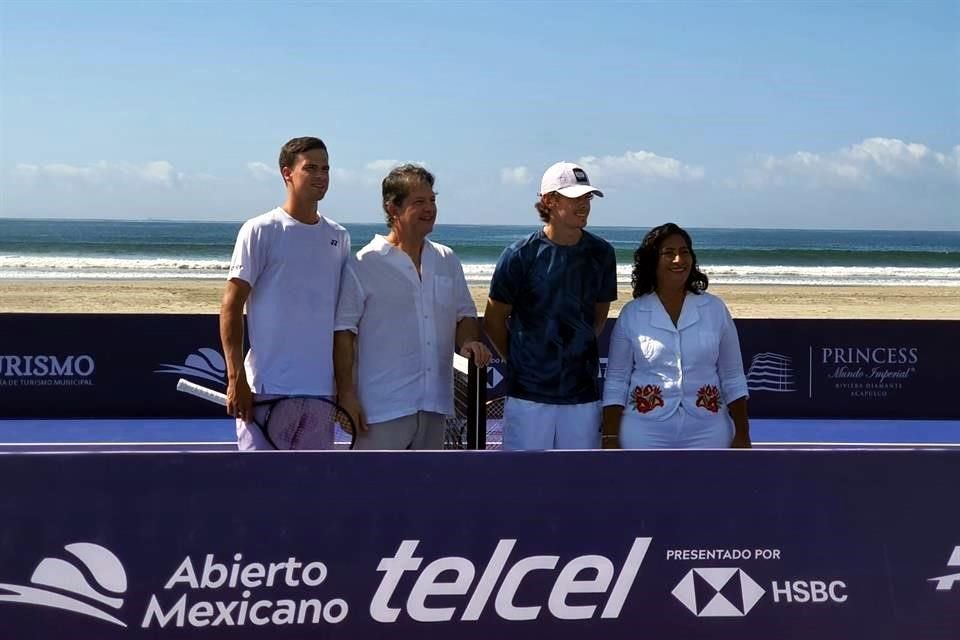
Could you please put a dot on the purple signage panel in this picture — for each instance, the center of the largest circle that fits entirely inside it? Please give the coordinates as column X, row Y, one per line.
column 474, row 545
column 77, row 366
column 107, row 366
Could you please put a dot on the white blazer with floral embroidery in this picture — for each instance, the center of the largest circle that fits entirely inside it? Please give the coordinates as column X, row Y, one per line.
column 655, row 367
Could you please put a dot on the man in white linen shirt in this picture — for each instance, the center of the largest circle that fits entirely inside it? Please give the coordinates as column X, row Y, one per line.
column 404, row 307
column 286, row 269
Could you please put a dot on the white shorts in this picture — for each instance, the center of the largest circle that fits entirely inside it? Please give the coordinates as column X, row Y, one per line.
column 251, row 438
column 535, row 425
column 249, row 435
column 679, row 431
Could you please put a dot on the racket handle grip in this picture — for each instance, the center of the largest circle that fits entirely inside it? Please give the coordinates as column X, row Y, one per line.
column 195, row 389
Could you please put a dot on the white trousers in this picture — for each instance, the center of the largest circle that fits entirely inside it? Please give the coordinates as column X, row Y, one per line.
column 533, row 425
column 680, row 431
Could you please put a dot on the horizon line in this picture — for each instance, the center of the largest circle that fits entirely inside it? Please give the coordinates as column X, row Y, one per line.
column 481, row 225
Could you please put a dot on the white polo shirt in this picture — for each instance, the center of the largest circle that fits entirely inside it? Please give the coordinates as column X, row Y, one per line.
column 406, row 326
column 294, row 272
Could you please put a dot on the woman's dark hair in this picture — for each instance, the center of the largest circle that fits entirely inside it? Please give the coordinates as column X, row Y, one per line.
column 647, row 257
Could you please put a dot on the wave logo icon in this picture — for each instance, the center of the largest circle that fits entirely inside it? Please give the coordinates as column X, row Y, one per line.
column 66, row 583
column 204, row 363
column 771, row 372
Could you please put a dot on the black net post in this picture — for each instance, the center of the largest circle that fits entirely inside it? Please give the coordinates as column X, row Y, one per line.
column 476, row 406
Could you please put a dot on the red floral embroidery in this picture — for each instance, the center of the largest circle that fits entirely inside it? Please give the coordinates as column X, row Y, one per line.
column 708, row 397
column 647, row 398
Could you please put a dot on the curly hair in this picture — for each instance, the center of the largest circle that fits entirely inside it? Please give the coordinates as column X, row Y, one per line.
column 543, row 210
column 647, row 257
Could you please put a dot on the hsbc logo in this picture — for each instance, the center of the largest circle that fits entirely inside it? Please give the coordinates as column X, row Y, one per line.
column 717, row 592
column 60, row 583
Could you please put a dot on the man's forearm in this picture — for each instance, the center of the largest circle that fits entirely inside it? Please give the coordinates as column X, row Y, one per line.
column 231, row 337
column 497, row 333
column 343, row 359
column 468, row 330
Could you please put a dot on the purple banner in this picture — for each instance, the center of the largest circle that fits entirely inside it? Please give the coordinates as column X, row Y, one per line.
column 78, row 366
column 704, row 544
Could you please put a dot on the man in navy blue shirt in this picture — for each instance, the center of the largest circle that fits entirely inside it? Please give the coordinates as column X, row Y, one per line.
column 548, row 303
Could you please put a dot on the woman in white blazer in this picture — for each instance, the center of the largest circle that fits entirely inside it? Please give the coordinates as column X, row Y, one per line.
column 675, row 374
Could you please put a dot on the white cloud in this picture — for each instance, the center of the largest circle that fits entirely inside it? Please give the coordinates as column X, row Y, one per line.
column 343, row 175
column 856, row 165
column 383, row 166
column 157, row 172
column 263, row 171
column 515, row 175
column 372, row 173
column 644, row 165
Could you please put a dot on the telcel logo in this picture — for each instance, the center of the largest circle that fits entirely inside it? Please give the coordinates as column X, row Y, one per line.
column 566, row 583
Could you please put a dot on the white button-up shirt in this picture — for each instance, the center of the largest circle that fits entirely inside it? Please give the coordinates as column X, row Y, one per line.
column 406, row 327
column 655, row 367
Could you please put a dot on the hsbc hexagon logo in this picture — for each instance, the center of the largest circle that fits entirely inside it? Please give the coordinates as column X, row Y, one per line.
column 718, row 592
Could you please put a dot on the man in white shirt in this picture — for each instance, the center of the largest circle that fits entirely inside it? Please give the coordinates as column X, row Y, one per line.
column 404, row 308
column 286, row 269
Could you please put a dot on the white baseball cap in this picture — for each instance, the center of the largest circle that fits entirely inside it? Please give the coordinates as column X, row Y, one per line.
column 568, row 180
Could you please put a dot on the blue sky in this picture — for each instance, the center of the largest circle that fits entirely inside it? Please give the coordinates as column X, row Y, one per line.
column 774, row 114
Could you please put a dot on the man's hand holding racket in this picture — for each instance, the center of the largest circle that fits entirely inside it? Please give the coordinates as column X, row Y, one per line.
column 476, row 349
column 240, row 399
column 351, row 404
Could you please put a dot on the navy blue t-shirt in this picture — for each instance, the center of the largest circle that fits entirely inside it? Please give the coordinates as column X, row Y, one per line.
column 553, row 288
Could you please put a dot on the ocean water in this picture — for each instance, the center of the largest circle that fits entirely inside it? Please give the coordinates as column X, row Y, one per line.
column 110, row 249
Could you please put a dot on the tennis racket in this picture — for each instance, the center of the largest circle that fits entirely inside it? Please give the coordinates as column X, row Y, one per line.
column 289, row 422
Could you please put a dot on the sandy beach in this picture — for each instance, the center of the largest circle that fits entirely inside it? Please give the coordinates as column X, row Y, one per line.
column 745, row 301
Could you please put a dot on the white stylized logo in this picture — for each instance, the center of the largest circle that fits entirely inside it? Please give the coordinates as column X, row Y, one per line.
column 478, row 585
column 64, row 578
column 205, row 363
column 945, row 583
column 771, row 372
column 727, row 592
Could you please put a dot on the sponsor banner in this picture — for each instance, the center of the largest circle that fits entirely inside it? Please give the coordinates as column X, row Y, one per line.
column 837, row 368
column 428, row 545
column 76, row 366
column 851, row 368
column 107, row 366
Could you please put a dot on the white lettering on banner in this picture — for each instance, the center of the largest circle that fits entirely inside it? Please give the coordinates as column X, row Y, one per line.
column 43, row 366
column 213, row 575
column 723, row 554
column 566, row 583
column 238, row 613
column 730, row 592
column 868, row 372
column 870, row 355
column 803, row 591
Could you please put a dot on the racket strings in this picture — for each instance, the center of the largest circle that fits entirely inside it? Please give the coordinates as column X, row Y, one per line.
column 303, row 423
